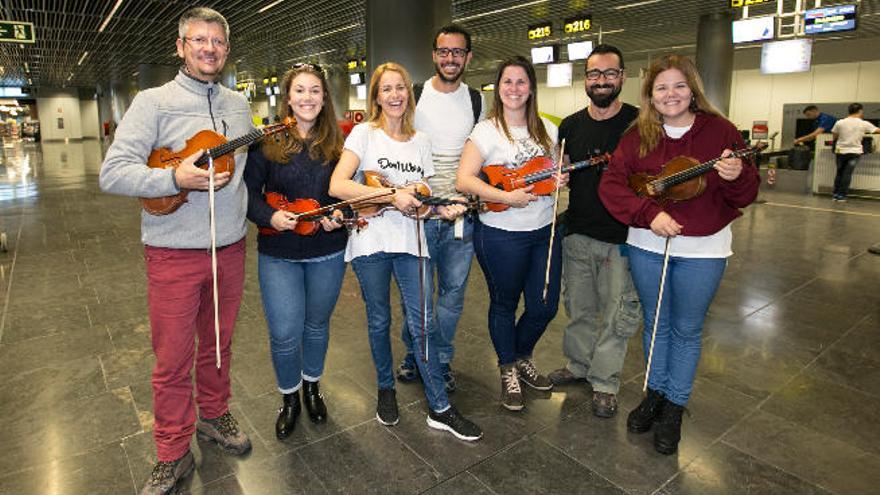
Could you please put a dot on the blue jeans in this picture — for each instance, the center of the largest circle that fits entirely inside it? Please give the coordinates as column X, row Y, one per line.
column 298, row 299
column 514, row 265
column 691, row 284
column 451, row 259
column 374, row 274
column 846, row 164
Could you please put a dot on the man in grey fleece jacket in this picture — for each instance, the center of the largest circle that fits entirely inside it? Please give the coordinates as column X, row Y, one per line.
column 177, row 254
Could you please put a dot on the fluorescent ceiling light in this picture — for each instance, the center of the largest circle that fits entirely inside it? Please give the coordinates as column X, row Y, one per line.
column 109, row 16
column 636, row 4
column 84, row 55
column 328, row 33
column 267, row 7
column 26, row 68
column 498, row 11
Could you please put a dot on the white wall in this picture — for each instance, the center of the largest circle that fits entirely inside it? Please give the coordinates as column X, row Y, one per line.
column 55, row 104
column 755, row 96
column 91, row 126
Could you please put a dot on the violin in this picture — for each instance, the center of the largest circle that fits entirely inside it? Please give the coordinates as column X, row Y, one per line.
column 309, row 214
column 375, row 179
column 681, row 178
column 538, row 172
column 216, row 146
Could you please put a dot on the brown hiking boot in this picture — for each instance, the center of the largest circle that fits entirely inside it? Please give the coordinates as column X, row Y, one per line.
column 166, row 475
column 564, row 376
column 225, row 431
column 511, row 393
column 604, row 405
column 530, row 376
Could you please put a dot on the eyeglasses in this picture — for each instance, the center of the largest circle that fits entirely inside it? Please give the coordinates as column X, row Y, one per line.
column 201, row 42
column 610, row 74
column 455, row 52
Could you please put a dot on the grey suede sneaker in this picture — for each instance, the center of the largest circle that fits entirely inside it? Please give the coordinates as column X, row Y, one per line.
column 530, row 376
column 225, row 431
column 511, row 392
column 166, row 475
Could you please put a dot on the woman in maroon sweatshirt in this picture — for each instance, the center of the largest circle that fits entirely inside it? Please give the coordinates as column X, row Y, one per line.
column 676, row 119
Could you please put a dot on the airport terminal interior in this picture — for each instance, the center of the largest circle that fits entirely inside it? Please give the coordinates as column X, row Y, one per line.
column 786, row 398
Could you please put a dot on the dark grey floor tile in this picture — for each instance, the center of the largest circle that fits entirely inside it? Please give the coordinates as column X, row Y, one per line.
column 847, row 370
column 284, row 474
column 40, row 319
column 53, row 349
column 842, row 413
column 102, row 471
column 820, row 459
column 724, row 469
column 863, row 340
column 462, row 483
column 526, row 468
column 368, row 459
column 51, row 386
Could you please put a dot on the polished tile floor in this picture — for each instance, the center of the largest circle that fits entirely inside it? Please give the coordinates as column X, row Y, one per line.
column 787, row 397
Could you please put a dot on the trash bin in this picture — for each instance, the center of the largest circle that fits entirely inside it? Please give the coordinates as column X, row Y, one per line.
column 799, row 157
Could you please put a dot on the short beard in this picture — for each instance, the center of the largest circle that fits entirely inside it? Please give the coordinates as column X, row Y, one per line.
column 604, row 101
column 446, row 79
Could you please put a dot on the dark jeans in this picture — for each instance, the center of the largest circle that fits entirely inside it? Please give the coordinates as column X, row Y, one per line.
column 514, row 265
column 846, row 163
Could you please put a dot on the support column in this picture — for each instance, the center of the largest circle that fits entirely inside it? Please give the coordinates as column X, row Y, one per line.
column 401, row 31
column 153, row 75
column 340, row 87
column 715, row 58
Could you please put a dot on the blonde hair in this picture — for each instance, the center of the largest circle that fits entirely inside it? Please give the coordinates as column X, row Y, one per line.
column 535, row 125
column 325, row 136
column 375, row 116
column 649, row 121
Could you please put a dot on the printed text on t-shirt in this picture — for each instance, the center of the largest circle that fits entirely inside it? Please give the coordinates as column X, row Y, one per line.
column 385, row 163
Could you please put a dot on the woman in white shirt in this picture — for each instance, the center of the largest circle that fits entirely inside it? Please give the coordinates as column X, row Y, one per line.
column 512, row 245
column 391, row 244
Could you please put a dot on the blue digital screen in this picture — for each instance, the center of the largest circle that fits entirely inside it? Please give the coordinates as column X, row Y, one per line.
column 830, row 19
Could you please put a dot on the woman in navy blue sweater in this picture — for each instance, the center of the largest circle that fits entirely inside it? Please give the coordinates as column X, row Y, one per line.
column 300, row 276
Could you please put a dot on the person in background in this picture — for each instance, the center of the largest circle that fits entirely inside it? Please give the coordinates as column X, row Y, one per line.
column 848, row 133
column 446, row 112
column 675, row 119
column 599, row 297
column 822, row 123
column 300, row 275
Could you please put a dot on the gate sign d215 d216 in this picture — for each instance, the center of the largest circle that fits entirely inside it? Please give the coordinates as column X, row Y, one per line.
column 17, row 32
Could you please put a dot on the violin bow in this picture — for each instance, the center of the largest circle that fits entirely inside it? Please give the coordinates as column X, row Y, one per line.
column 423, row 299
column 657, row 311
column 211, row 209
column 553, row 224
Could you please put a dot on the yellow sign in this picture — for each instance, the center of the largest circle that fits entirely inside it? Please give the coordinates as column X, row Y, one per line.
column 539, row 31
column 745, row 3
column 578, row 24
column 352, row 64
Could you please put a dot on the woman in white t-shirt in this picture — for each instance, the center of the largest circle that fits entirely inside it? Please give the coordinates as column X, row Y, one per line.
column 393, row 243
column 512, row 245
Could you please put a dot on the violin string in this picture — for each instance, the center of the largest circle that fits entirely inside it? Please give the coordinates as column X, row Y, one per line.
column 690, row 173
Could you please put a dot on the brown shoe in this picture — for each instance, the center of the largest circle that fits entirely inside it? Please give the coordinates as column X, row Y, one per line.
column 166, row 475
column 225, row 431
column 511, row 393
column 530, row 376
column 564, row 376
column 604, row 405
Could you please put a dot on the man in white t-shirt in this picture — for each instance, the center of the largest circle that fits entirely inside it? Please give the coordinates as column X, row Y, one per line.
column 447, row 111
column 849, row 133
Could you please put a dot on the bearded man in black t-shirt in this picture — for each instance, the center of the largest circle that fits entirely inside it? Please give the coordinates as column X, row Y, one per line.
column 600, row 300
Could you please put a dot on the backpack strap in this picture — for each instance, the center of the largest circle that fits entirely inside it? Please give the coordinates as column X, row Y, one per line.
column 476, row 103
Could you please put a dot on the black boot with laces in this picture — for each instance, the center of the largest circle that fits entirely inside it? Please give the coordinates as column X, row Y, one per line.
column 668, row 431
column 642, row 418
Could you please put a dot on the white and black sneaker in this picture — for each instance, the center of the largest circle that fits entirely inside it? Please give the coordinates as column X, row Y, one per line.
column 386, row 407
column 450, row 420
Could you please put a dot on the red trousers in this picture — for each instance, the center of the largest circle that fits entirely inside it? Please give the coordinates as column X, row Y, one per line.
column 181, row 304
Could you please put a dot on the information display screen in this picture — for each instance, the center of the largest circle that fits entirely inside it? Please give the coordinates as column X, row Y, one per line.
column 780, row 57
column 754, row 29
column 580, row 50
column 559, row 75
column 830, row 19
column 544, row 54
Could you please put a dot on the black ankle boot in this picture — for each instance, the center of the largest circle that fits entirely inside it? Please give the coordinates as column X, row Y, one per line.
column 287, row 415
column 668, row 431
column 642, row 418
column 314, row 402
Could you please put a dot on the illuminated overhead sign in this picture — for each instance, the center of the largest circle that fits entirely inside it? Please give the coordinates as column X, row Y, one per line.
column 830, row 19
column 576, row 25
column 745, row 3
column 540, row 31
column 17, row 32
column 352, row 64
